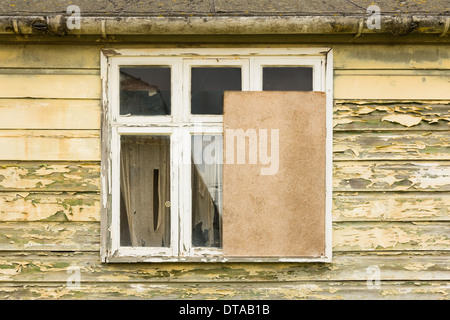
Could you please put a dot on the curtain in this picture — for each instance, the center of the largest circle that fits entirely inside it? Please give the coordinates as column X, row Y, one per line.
column 145, row 189
column 207, row 193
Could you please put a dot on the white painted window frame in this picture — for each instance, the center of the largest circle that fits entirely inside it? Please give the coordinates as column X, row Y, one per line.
column 180, row 126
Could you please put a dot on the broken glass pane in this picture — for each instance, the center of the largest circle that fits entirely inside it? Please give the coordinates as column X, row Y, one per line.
column 145, row 91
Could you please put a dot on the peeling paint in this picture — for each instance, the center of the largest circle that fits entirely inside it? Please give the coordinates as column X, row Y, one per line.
column 404, row 120
column 385, row 116
column 390, row 207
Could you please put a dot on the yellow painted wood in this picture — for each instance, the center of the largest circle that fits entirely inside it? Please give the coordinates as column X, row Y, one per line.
column 14, row 55
column 391, row 116
column 391, row 184
column 49, row 114
column 391, row 85
column 391, row 176
column 391, row 206
column 391, row 56
column 402, row 176
column 347, row 206
column 423, row 145
column 52, row 266
column 50, row 236
column 61, row 86
column 49, row 177
column 345, row 56
column 75, row 145
column 398, row 236
column 347, row 236
column 392, row 290
column 25, row 206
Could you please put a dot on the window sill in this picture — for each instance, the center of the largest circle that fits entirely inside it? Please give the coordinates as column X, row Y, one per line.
column 116, row 258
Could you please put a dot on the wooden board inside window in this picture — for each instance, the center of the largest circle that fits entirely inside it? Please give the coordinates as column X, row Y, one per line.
column 275, row 213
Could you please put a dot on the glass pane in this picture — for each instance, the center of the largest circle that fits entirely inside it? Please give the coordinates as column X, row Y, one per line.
column 208, row 85
column 145, row 191
column 287, row 79
column 207, row 160
column 145, row 91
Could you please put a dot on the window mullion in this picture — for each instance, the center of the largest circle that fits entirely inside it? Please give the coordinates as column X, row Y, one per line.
column 184, row 168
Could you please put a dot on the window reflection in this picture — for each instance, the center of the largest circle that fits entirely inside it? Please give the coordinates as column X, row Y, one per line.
column 287, row 79
column 145, row 91
column 208, row 85
column 207, row 154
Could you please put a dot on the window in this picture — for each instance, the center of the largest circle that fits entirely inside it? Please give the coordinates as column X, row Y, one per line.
column 163, row 145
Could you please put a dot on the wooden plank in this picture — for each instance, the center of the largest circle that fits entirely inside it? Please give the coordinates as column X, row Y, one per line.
column 62, row 86
column 391, row 57
column 391, row 116
column 48, row 145
column 385, row 236
column 50, row 56
column 106, row 172
column 385, row 145
column 371, row 84
column 391, row 206
column 49, row 206
column 391, row 176
column 49, row 71
column 60, row 176
column 348, row 176
column 354, row 290
column 46, row 267
column 347, row 236
column 49, row 114
column 53, row 236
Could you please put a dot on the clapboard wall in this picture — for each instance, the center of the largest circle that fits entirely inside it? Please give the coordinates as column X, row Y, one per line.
column 391, row 183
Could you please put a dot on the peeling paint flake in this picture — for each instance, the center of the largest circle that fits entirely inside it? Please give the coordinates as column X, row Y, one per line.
column 403, row 119
column 47, row 170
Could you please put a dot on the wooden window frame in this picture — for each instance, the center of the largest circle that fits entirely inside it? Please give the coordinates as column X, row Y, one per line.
column 180, row 125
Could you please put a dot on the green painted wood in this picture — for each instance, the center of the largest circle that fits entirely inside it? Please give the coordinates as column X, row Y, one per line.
column 427, row 145
column 56, row 267
column 61, row 206
column 49, row 177
column 391, row 116
column 347, row 236
column 391, row 206
column 335, row 290
column 429, row 176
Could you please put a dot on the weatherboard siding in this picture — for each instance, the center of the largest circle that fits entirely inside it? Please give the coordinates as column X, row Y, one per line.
column 391, row 180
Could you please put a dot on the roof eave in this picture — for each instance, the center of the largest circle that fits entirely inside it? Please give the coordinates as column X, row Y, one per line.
column 59, row 25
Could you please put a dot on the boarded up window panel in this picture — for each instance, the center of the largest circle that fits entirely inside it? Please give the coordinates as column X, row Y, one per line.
column 280, row 215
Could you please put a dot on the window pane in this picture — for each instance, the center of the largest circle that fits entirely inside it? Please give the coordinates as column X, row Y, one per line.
column 145, row 91
column 208, row 85
column 145, row 191
column 207, row 156
column 287, row 79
